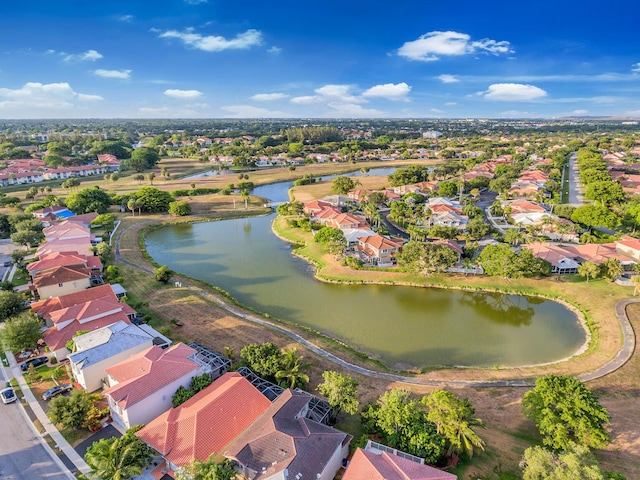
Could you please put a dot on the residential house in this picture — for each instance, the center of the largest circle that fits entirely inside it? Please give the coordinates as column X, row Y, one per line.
column 141, row 387
column 64, row 259
column 43, row 308
column 629, row 246
column 90, row 315
column 384, row 463
column 82, row 246
column 347, row 220
column 55, row 210
column 447, row 215
column 98, row 350
column 56, row 281
column 109, row 161
column 84, row 219
column 353, row 235
column 314, row 206
column 377, row 250
column 206, row 423
column 70, row 231
column 283, row 444
column 560, row 259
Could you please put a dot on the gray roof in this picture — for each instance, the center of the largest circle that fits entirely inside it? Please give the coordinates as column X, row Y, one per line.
column 109, row 341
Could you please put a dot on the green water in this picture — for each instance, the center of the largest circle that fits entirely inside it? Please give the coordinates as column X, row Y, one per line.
column 402, row 326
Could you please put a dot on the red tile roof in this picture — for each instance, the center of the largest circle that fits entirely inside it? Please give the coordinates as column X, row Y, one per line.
column 629, row 242
column 149, row 371
column 44, row 307
column 61, row 259
column 367, row 465
column 78, row 245
column 56, row 275
column 83, row 312
column 207, row 422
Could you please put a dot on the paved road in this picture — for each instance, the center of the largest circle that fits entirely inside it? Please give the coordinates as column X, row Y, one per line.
column 575, row 193
column 618, row 361
column 22, row 454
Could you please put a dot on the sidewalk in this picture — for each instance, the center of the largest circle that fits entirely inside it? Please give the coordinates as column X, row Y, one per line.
column 57, row 437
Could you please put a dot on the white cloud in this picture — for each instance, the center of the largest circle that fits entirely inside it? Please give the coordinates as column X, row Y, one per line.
column 274, row 50
column 183, row 94
column 351, row 110
column 195, row 2
column 510, row 92
column 433, row 45
column 580, row 112
column 448, row 78
column 213, row 43
column 249, row 111
column 88, row 56
column 390, row 91
column 306, row 99
column 267, row 97
column 124, row 74
column 450, row 104
column 435, row 110
column 635, row 68
column 125, row 18
column 35, row 99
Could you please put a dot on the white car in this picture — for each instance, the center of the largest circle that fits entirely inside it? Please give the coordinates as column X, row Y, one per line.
column 8, row 395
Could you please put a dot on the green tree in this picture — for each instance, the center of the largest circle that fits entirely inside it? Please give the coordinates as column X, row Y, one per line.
column 103, row 249
column 262, row 358
column 341, row 391
column 447, row 189
column 577, row 462
column 589, row 270
column 208, row 470
column 566, row 411
column 513, row 236
column 89, row 200
column 11, row 304
column 291, row 373
column 72, row 411
column 332, row 238
column 455, row 420
column 143, row 158
column 153, row 200
column 426, row 258
column 500, row 260
column 611, row 268
column 138, row 177
column 21, row 331
column 595, row 216
column 478, row 228
column 162, row 274
column 150, row 177
column 105, row 221
column 118, row 458
column 180, row 208
column 342, row 185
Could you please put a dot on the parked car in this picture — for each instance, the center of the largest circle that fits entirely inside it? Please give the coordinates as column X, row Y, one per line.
column 57, row 390
column 36, row 362
column 8, row 395
column 7, row 264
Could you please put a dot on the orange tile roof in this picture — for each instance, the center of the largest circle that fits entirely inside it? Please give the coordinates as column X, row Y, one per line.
column 149, row 371
column 78, row 245
column 367, row 465
column 378, row 242
column 630, row 242
column 83, row 311
column 44, row 307
column 64, row 274
column 207, row 422
column 60, row 259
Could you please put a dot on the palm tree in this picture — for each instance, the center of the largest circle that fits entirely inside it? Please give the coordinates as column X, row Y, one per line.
column 291, row 374
column 245, row 195
column 636, row 281
column 116, row 459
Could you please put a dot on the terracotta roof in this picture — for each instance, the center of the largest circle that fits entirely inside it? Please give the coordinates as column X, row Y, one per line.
column 64, row 274
column 78, row 245
column 378, row 242
column 206, row 422
column 525, row 206
column 149, row 371
column 66, row 230
column 368, row 465
column 283, row 439
column 630, row 242
column 85, row 218
column 60, row 259
column 56, row 339
column 83, row 312
column 44, row 307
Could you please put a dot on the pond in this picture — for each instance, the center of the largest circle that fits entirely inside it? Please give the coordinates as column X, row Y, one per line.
column 404, row 327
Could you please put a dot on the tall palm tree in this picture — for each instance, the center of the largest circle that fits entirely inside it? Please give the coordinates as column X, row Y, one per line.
column 113, row 460
column 291, row 374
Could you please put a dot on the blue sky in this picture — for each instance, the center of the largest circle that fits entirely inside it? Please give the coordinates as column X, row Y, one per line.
column 318, row 59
